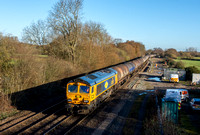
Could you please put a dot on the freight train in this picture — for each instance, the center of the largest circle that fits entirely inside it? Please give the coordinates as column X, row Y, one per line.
column 86, row 93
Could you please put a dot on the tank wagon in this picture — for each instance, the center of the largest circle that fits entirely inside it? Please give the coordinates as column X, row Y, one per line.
column 85, row 93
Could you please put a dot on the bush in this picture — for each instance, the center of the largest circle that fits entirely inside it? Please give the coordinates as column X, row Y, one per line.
column 190, row 70
column 171, row 62
column 180, row 65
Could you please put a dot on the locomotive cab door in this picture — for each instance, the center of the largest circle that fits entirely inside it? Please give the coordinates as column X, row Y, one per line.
column 92, row 93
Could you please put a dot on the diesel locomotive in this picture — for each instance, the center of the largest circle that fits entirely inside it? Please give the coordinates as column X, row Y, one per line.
column 86, row 93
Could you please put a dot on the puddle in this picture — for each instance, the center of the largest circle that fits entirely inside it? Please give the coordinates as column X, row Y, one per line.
column 157, row 79
column 142, row 93
column 150, row 90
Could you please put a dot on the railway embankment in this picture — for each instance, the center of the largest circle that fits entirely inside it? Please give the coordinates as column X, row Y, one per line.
column 130, row 110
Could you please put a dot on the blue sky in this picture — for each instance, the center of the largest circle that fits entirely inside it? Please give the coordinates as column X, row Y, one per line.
column 155, row 23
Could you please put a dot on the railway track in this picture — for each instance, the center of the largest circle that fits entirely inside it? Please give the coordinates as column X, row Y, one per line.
column 108, row 105
column 24, row 123
column 53, row 120
column 72, row 123
column 123, row 95
column 61, row 125
column 67, row 125
column 48, row 121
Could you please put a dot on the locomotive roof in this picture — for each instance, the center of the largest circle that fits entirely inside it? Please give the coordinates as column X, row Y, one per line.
column 97, row 77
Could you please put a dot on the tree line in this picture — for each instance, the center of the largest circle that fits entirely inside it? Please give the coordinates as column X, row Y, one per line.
column 189, row 53
column 56, row 48
column 64, row 35
column 171, row 54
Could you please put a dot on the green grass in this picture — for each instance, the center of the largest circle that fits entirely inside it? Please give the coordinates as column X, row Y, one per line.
column 12, row 61
column 4, row 115
column 188, row 63
column 133, row 116
column 198, row 58
column 43, row 56
column 188, row 83
column 195, row 58
column 186, row 124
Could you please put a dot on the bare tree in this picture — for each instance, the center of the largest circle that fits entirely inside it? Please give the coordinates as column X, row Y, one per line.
column 36, row 33
column 117, row 41
column 96, row 33
column 191, row 49
column 159, row 51
column 64, row 20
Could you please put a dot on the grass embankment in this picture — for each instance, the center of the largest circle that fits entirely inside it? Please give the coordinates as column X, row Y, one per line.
column 12, row 112
column 186, row 124
column 193, row 62
column 132, row 118
column 150, row 123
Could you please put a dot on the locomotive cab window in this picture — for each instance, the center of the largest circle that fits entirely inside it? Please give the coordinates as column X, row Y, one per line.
column 72, row 88
column 84, row 89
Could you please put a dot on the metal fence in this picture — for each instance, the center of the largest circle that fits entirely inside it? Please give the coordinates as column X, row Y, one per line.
column 170, row 109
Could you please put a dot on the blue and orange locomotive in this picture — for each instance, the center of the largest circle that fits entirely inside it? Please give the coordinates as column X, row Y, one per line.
column 85, row 93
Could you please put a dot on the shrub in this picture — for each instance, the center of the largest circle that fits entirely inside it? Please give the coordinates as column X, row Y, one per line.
column 171, row 62
column 180, row 65
column 190, row 70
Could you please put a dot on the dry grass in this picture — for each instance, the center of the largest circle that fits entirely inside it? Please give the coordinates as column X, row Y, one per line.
column 186, row 124
column 153, row 127
column 132, row 117
column 27, row 66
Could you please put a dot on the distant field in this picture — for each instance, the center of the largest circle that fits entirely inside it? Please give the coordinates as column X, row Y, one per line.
column 45, row 56
column 194, row 62
column 198, row 58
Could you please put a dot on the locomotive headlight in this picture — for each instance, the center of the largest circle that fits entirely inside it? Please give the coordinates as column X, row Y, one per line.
column 69, row 100
column 86, row 101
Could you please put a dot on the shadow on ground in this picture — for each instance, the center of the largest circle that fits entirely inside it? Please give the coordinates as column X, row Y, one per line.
column 37, row 98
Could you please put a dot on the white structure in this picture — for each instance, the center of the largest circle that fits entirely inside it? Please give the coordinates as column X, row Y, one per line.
column 196, row 78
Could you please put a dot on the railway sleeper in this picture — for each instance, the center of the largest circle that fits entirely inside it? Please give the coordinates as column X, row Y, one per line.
column 78, row 109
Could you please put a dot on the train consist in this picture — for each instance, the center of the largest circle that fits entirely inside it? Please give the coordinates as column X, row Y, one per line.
column 87, row 92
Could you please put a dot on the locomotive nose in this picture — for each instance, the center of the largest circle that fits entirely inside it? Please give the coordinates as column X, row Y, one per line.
column 78, row 98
